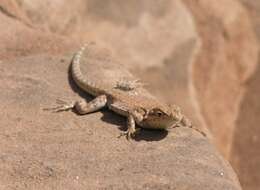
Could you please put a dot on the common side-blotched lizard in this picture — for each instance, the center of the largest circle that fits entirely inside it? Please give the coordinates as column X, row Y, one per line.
column 116, row 88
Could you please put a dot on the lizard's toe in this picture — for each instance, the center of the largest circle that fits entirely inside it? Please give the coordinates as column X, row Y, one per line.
column 125, row 134
column 129, row 134
column 63, row 106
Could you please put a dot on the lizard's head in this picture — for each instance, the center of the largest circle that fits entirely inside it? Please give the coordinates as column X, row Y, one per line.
column 162, row 118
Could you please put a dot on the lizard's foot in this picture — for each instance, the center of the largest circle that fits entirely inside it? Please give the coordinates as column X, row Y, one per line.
column 130, row 133
column 62, row 106
column 131, row 129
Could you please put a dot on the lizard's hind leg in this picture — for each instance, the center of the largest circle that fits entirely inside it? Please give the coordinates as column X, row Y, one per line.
column 96, row 104
column 82, row 106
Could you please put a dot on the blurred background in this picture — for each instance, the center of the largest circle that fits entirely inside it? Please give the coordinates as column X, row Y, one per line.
column 201, row 55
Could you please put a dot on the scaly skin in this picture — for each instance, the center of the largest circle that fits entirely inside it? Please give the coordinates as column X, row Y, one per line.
column 121, row 92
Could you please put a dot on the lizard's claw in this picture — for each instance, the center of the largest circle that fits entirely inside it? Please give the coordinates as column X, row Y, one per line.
column 130, row 133
column 63, row 106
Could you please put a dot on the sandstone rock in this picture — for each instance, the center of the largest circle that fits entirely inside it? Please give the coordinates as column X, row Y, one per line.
column 44, row 150
column 227, row 59
column 158, row 40
column 245, row 154
column 18, row 38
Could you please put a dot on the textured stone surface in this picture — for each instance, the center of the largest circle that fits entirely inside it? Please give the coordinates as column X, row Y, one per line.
column 245, row 155
column 44, row 150
column 145, row 33
column 231, row 116
column 200, row 55
column 227, row 59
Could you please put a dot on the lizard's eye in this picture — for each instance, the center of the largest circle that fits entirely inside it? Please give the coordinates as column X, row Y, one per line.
column 159, row 113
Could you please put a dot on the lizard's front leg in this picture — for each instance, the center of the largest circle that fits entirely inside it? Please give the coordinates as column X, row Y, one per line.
column 132, row 118
column 82, row 106
column 131, row 130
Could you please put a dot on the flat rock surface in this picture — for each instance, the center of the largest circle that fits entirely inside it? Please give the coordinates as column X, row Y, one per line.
column 45, row 150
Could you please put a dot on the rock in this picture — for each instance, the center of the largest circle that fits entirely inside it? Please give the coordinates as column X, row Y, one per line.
column 18, row 38
column 186, row 52
column 45, row 150
column 245, row 153
column 227, row 59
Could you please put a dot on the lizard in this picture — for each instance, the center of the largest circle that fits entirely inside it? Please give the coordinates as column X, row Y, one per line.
column 115, row 87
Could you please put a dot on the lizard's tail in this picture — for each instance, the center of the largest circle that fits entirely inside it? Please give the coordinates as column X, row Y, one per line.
column 198, row 130
column 82, row 81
